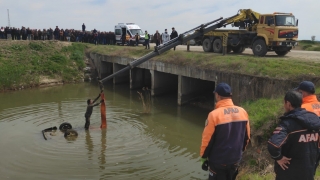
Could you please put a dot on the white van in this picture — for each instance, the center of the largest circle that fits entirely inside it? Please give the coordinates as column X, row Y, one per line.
column 130, row 30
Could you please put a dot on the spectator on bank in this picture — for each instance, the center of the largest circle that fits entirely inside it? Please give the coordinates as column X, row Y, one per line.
column 137, row 37
column 36, row 35
column 24, row 33
column 9, row 32
column 14, row 33
column 56, row 33
column 67, row 35
column 50, row 34
column 2, row 31
column 165, row 36
column 157, row 38
column 112, row 38
column 18, row 34
column 29, row 32
column 83, row 27
column 173, row 35
column 61, row 34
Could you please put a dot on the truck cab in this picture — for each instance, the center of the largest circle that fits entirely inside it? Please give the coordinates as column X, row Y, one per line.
column 280, row 31
column 128, row 30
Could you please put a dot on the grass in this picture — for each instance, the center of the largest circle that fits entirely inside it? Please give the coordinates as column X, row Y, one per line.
column 23, row 62
column 274, row 67
column 263, row 110
column 309, row 45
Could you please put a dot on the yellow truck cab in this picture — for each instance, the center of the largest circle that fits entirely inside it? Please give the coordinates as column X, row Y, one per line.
column 279, row 31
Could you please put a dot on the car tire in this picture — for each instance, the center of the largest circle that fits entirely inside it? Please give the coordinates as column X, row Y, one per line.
column 65, row 126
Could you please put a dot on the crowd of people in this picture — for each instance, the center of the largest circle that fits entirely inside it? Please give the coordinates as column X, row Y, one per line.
column 71, row 35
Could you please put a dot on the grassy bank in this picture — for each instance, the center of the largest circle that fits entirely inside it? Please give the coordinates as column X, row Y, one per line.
column 24, row 63
column 275, row 67
column 309, row 45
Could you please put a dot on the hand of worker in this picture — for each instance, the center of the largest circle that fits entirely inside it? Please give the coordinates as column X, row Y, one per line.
column 283, row 162
column 204, row 164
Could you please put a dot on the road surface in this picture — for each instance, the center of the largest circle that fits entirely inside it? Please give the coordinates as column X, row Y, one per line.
column 296, row 54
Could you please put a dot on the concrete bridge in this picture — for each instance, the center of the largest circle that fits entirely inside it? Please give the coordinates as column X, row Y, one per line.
column 187, row 81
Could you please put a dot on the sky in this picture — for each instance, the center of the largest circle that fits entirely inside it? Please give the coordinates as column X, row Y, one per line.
column 150, row 15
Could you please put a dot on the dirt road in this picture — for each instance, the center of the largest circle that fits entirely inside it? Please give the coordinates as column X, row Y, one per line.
column 296, row 54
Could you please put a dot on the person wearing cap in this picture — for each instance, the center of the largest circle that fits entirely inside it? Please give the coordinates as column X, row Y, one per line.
column 173, row 35
column 309, row 99
column 225, row 136
column 293, row 145
column 309, row 102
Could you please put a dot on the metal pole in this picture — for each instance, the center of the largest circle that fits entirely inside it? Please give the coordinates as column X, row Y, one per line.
column 8, row 18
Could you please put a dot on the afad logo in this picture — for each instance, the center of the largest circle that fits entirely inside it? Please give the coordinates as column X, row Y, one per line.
column 309, row 137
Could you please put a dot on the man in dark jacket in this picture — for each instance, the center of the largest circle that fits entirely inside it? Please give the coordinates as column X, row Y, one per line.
column 90, row 106
column 83, row 27
column 294, row 143
column 173, row 35
column 157, row 38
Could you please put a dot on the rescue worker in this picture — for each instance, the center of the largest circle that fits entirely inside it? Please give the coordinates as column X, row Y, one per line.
column 294, row 146
column 225, row 136
column 309, row 99
column 147, row 38
column 309, row 102
column 90, row 106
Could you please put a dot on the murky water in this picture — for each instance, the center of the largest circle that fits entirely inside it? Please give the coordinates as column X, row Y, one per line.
column 161, row 145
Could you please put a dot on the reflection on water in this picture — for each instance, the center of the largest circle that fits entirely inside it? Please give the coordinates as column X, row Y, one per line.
column 161, row 145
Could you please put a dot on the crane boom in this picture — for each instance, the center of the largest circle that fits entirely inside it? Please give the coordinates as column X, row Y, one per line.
column 186, row 36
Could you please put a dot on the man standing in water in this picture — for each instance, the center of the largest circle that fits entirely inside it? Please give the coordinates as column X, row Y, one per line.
column 90, row 106
column 225, row 136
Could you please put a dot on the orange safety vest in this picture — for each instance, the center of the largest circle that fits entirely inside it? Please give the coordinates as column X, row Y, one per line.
column 226, row 134
column 311, row 104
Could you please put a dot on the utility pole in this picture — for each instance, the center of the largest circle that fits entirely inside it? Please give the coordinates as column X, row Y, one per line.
column 8, row 18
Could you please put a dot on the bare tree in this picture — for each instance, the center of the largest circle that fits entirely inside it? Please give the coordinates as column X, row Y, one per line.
column 313, row 38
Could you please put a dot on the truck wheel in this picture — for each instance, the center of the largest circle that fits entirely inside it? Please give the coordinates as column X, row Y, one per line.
column 238, row 49
column 217, row 46
column 207, row 45
column 259, row 48
column 281, row 53
column 65, row 126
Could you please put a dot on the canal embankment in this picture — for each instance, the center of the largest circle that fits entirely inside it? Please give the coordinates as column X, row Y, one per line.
column 25, row 64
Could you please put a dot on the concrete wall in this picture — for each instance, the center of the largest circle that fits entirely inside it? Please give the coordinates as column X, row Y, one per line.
column 244, row 87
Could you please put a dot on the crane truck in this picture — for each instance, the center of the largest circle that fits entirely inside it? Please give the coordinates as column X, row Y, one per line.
column 281, row 36
column 276, row 32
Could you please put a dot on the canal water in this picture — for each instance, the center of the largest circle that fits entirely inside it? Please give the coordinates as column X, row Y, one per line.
column 162, row 144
